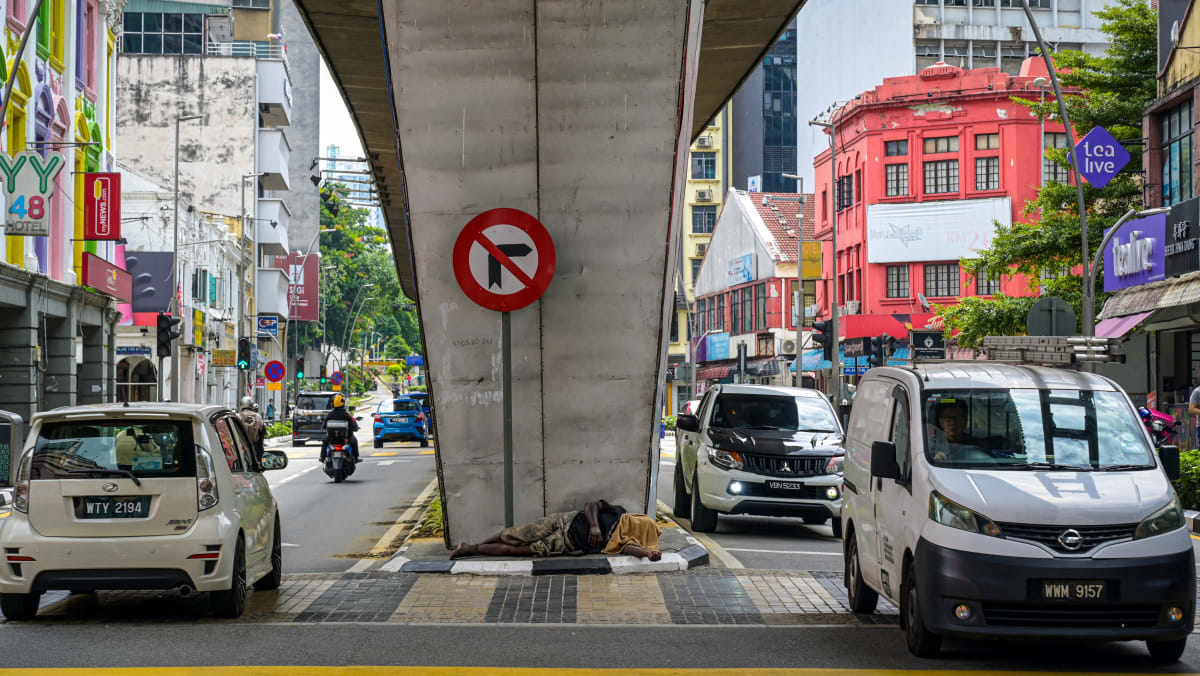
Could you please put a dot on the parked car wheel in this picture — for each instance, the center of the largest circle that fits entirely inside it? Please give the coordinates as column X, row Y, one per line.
column 683, row 502
column 272, row 579
column 231, row 603
column 704, row 520
column 20, row 607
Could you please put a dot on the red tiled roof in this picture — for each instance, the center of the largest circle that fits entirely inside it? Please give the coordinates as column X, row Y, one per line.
column 783, row 213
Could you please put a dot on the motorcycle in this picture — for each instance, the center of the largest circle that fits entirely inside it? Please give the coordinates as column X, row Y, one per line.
column 339, row 456
column 1162, row 426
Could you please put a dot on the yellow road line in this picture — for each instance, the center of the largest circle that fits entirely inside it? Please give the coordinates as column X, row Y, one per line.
column 425, row 453
column 4, row 515
column 394, row 532
column 384, row 453
column 499, row 671
column 1195, row 537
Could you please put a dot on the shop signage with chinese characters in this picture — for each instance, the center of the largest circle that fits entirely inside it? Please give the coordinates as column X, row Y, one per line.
column 1182, row 233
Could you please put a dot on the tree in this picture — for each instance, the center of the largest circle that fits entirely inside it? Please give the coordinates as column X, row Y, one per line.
column 1115, row 89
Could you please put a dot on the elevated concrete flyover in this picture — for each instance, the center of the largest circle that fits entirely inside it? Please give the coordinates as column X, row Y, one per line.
column 579, row 112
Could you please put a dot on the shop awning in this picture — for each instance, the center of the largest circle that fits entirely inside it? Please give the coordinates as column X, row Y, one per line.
column 1115, row 327
column 714, row 372
column 1168, row 293
column 762, row 366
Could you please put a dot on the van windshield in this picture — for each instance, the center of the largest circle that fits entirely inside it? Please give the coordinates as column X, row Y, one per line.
column 314, row 402
column 97, row 448
column 1030, row 429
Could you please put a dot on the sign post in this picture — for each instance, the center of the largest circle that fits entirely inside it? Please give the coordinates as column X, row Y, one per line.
column 509, row 251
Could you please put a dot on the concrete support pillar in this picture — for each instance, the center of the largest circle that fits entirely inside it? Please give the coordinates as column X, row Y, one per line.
column 18, row 386
column 97, row 371
column 58, row 382
column 570, row 112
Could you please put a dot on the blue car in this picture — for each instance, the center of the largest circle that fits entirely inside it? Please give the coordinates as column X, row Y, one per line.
column 400, row 420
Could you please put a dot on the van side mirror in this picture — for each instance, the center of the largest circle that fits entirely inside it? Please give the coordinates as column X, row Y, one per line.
column 687, row 423
column 883, row 460
column 1169, row 455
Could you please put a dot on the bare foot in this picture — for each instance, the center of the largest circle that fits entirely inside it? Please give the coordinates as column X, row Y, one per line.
column 655, row 555
column 463, row 549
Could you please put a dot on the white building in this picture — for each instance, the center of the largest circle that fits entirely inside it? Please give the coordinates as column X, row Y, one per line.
column 849, row 46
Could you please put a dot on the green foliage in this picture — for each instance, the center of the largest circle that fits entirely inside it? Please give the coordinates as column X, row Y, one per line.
column 416, row 388
column 282, row 429
column 1188, row 484
column 395, row 372
column 670, row 423
column 431, row 521
column 1116, row 88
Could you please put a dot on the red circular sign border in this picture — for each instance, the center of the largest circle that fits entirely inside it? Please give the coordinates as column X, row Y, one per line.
column 541, row 241
column 267, row 370
column 336, row 378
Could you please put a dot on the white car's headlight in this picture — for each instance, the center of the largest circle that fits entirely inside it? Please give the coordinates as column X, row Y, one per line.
column 1165, row 520
column 954, row 515
column 835, row 465
column 725, row 459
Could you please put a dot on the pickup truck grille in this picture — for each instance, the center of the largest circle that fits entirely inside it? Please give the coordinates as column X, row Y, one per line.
column 785, row 466
column 1093, row 536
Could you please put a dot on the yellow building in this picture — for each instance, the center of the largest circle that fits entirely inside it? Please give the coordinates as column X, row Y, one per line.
column 707, row 182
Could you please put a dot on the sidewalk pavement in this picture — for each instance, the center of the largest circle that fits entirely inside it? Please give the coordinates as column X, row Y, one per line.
column 1193, row 520
column 704, row 597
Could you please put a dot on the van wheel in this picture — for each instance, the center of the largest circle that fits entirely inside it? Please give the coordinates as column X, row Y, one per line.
column 231, row 603
column 378, row 443
column 863, row 599
column 683, row 502
column 20, row 607
column 272, row 579
column 704, row 520
column 921, row 641
column 1163, row 652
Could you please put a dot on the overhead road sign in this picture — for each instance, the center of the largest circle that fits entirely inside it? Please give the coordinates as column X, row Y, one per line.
column 503, row 259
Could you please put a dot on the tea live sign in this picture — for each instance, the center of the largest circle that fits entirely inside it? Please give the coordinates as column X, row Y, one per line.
column 1101, row 156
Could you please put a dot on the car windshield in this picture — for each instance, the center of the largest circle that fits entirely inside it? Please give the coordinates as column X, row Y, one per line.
column 1032, row 429
column 82, row 448
column 385, row 406
column 407, row 405
column 314, row 402
column 757, row 411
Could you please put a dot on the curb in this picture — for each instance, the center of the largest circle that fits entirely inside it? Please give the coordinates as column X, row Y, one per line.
column 689, row 557
column 1193, row 520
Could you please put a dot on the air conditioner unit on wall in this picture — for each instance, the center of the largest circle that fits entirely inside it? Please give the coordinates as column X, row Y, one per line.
column 703, row 195
column 787, row 347
column 851, row 307
column 701, row 249
column 704, row 142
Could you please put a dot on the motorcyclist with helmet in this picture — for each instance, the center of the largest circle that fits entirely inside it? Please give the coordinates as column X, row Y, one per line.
column 254, row 425
column 339, row 412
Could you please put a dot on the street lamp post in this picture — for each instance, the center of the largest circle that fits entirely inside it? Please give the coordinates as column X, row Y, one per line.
column 175, row 293
column 692, row 358
column 833, row 281
column 243, row 385
column 292, row 294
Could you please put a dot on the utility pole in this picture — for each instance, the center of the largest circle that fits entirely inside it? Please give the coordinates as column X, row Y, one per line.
column 177, row 292
column 835, row 388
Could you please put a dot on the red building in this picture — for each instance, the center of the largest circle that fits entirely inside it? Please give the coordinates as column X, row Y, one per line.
column 926, row 165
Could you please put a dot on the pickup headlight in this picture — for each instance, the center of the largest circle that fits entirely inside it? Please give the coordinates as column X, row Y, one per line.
column 1164, row 520
column 954, row 515
column 835, row 465
column 725, row 459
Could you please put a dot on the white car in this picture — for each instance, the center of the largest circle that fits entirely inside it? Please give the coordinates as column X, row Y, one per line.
column 141, row 496
column 759, row 449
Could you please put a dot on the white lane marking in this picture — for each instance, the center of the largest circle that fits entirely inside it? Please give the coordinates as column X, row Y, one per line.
column 394, row 532
column 286, row 479
column 710, row 544
column 288, row 544
column 385, row 463
column 668, row 463
column 781, row 551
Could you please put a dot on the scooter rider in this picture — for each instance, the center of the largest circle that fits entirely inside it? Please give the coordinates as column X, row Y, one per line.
column 339, row 413
column 254, row 424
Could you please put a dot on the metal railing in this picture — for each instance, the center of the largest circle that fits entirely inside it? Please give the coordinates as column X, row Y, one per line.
column 257, row 50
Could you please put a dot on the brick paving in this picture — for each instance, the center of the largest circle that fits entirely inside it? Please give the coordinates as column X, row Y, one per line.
column 702, row 596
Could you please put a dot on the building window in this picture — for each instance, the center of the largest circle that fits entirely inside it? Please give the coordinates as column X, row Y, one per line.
column 845, row 192
column 703, row 318
column 897, row 281
column 941, row 144
column 858, row 189
column 987, row 141
column 92, row 27
column 696, row 270
column 704, row 165
column 747, row 311
column 1012, row 56
column 704, row 219
column 252, row 4
column 941, row 279
column 163, row 33
column 824, row 205
column 1035, row 4
column 735, row 311
column 760, row 302
column 1052, row 170
column 941, row 176
column 1177, row 154
column 719, row 320
column 897, row 180
column 896, row 148
column 929, row 52
column 58, row 30
column 674, row 327
column 987, row 173
column 986, row 284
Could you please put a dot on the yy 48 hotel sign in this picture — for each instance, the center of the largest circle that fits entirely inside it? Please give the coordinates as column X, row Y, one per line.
column 28, row 186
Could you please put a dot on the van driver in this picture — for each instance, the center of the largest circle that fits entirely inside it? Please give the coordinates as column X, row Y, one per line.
column 949, row 440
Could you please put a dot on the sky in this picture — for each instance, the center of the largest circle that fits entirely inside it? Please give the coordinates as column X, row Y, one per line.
column 336, row 125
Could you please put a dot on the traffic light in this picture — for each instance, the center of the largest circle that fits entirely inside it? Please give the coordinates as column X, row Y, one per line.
column 243, row 354
column 881, row 346
column 299, row 368
column 323, row 378
column 166, row 333
column 823, row 335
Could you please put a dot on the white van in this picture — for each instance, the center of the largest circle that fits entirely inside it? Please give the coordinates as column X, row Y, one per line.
column 991, row 500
